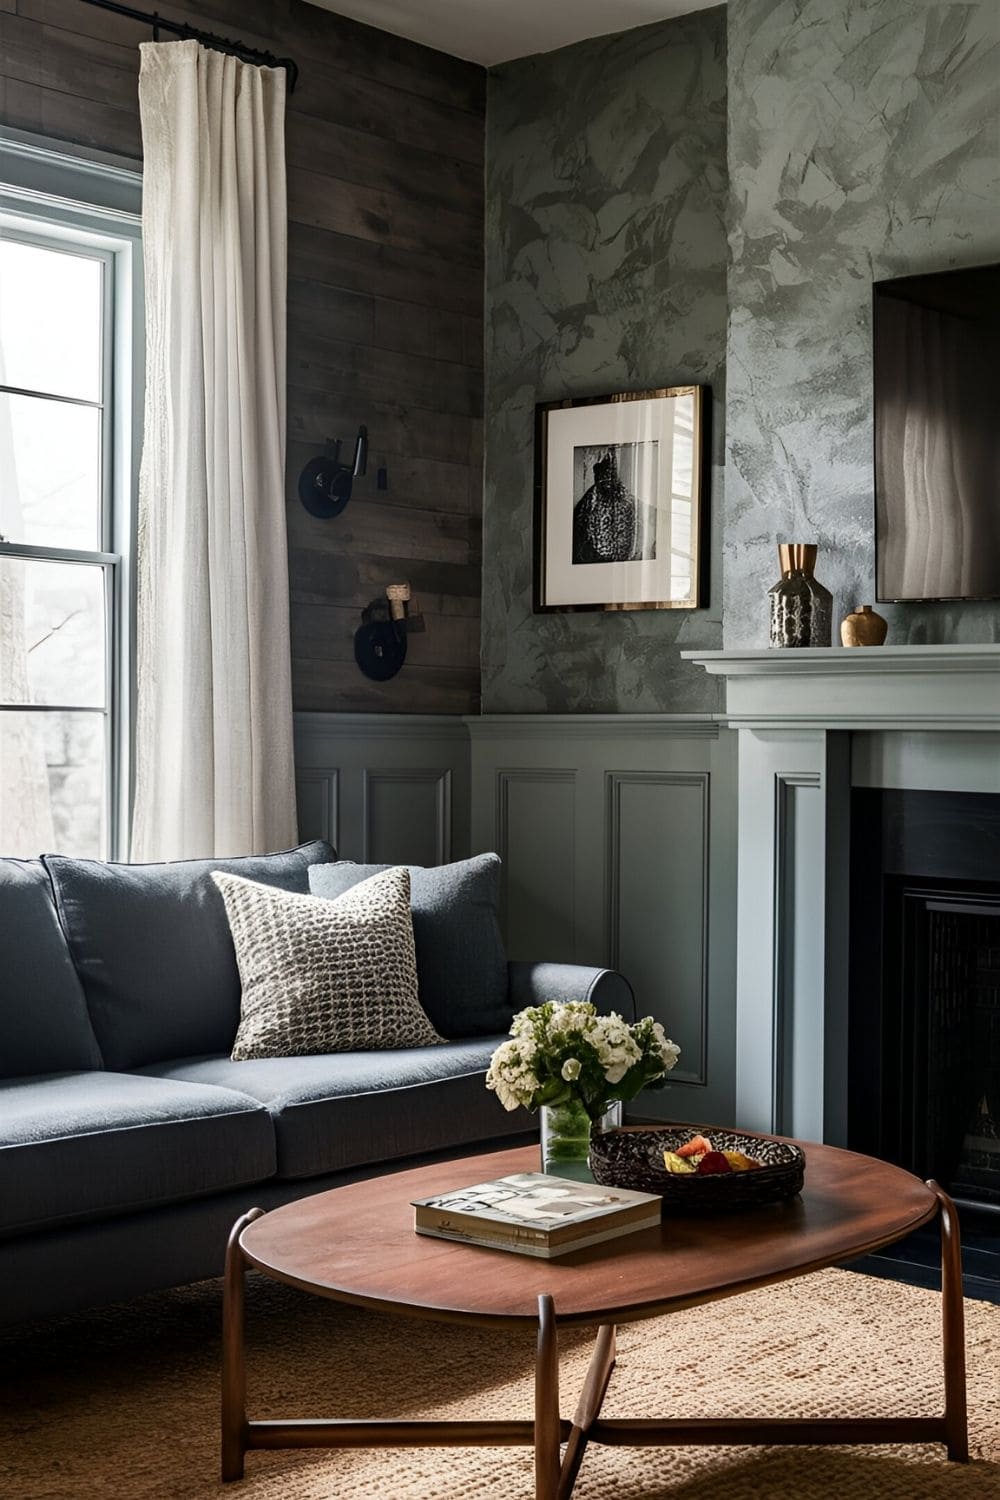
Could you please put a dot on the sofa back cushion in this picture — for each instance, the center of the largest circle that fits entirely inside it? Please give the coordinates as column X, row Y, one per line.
column 461, row 961
column 44, row 1026
column 151, row 944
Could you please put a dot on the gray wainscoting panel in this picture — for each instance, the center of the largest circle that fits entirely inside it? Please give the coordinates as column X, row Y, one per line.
column 316, row 799
column 535, row 823
column 658, row 857
column 618, row 834
column 618, row 837
column 407, row 816
column 390, row 788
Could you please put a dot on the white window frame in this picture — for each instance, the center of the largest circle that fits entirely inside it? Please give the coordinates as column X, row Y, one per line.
column 52, row 197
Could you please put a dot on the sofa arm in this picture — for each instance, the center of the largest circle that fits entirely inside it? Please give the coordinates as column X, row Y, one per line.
column 534, row 983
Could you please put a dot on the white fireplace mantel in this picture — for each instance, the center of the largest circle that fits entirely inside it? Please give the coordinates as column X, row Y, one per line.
column 799, row 714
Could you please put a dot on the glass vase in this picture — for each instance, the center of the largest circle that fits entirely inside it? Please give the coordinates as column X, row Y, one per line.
column 566, row 1137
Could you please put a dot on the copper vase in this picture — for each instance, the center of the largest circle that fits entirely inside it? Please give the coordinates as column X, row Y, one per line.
column 863, row 627
column 801, row 608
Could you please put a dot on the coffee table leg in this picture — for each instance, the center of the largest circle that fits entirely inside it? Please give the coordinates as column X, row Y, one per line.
column 588, row 1407
column 547, row 1426
column 953, row 1329
column 234, row 1375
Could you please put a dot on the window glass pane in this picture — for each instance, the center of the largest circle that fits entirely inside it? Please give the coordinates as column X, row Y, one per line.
column 52, row 784
column 50, row 473
column 52, row 633
column 50, row 321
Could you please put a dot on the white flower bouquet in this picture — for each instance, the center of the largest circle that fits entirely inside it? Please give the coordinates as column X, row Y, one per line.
column 562, row 1053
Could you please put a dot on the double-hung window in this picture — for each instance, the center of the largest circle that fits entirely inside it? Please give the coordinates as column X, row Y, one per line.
column 68, row 277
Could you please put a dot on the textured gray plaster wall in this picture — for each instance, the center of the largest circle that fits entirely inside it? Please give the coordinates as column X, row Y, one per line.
column 864, row 142
column 605, row 271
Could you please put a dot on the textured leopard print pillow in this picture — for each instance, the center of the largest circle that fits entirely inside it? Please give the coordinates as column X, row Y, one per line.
column 325, row 976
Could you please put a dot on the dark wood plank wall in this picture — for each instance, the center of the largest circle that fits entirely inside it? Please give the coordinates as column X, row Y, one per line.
column 385, row 184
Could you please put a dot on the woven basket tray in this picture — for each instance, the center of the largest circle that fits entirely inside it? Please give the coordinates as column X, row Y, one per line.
column 632, row 1157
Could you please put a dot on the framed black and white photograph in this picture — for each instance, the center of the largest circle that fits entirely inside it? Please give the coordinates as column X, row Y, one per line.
column 618, row 483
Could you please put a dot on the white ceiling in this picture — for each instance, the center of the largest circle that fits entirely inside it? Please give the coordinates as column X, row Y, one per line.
column 494, row 31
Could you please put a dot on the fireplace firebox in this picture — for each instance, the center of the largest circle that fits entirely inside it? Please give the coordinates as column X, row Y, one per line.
column 924, row 1023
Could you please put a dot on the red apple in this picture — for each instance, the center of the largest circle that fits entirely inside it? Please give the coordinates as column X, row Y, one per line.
column 713, row 1161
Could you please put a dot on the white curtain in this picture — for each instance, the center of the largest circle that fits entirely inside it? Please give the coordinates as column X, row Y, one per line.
column 214, row 765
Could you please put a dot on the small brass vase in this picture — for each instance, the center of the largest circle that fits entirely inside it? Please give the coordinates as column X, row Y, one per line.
column 863, row 627
column 801, row 608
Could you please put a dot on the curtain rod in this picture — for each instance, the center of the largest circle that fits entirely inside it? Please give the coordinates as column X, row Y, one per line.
column 192, row 33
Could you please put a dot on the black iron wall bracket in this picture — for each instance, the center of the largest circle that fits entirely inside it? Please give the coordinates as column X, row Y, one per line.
column 380, row 639
column 326, row 483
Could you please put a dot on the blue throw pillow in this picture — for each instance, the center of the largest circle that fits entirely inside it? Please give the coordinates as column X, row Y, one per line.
column 152, row 947
column 461, row 962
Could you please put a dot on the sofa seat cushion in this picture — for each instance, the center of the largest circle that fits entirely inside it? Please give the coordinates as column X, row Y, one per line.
column 87, row 1145
column 349, row 1109
column 151, row 944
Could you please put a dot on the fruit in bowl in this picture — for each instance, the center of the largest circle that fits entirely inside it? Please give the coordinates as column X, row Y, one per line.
column 698, row 1157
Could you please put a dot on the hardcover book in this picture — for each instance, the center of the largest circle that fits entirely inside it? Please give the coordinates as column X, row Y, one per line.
column 536, row 1214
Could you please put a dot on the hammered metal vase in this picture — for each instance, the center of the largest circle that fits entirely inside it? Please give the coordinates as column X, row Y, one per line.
column 801, row 608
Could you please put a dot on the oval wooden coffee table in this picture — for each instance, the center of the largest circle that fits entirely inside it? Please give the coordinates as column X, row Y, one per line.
column 357, row 1244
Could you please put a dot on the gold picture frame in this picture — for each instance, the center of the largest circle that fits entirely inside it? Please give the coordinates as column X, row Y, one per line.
column 620, row 499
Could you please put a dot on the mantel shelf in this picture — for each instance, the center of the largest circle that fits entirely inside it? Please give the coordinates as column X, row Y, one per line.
column 875, row 687
column 812, row 660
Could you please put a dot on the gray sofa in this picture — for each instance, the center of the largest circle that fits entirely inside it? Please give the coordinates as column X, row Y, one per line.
column 129, row 1141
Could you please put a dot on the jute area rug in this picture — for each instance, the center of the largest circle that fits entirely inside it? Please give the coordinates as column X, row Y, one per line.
column 123, row 1402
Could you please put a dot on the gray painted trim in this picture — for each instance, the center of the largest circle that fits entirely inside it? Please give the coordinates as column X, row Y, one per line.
column 380, row 726
column 507, row 726
column 807, row 661
column 782, row 1005
column 922, row 722
column 886, row 687
column 440, row 779
column 57, row 554
column 111, row 185
column 836, row 954
column 614, row 781
column 48, row 186
column 593, row 726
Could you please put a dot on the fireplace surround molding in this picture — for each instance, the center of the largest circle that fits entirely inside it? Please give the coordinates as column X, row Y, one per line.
column 878, row 687
column 811, row 722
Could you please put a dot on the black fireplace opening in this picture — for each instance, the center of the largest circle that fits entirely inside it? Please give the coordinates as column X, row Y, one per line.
column 924, row 1022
